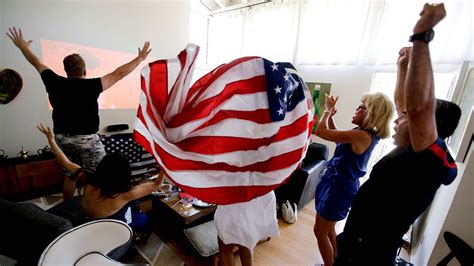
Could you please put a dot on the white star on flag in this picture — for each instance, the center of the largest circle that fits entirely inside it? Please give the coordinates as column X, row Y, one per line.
column 277, row 89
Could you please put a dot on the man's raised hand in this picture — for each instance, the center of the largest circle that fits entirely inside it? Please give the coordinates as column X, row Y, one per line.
column 17, row 37
column 429, row 17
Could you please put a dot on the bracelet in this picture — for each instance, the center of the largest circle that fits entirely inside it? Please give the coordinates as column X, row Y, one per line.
column 326, row 111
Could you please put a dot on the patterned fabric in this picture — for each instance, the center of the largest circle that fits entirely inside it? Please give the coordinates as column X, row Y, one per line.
column 235, row 134
column 85, row 150
column 124, row 144
column 141, row 162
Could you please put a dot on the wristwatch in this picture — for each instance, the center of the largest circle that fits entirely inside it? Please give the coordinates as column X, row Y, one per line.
column 426, row 36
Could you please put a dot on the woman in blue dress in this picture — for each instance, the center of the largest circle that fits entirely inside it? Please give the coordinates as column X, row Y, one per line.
column 340, row 181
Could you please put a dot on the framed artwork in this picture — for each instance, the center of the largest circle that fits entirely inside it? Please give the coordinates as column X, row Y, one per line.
column 318, row 91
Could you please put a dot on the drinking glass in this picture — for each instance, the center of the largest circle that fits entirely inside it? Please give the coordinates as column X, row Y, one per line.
column 168, row 190
column 187, row 207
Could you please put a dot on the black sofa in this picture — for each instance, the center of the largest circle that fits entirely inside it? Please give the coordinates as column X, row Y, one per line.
column 26, row 230
column 300, row 186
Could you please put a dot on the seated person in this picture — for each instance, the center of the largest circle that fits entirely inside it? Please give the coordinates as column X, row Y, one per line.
column 108, row 192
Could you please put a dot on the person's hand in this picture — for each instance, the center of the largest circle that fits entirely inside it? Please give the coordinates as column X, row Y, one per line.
column 46, row 131
column 159, row 180
column 17, row 37
column 143, row 53
column 429, row 17
column 330, row 103
column 403, row 56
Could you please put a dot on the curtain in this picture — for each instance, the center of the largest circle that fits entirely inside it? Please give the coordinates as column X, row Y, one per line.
column 337, row 32
column 268, row 30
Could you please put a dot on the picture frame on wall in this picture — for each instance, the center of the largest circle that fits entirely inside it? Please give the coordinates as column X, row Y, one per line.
column 318, row 91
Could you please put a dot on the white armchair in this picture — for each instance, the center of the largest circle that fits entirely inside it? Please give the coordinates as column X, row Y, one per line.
column 98, row 242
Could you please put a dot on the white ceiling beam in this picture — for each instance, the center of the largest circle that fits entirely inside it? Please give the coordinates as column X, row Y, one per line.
column 239, row 6
column 210, row 4
column 222, row 3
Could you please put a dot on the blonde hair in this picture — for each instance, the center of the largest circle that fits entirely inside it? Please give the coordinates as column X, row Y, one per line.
column 378, row 113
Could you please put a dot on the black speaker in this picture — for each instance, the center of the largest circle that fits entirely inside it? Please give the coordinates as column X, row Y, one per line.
column 117, row 127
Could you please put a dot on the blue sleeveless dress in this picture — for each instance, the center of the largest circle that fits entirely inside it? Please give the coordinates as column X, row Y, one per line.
column 340, row 180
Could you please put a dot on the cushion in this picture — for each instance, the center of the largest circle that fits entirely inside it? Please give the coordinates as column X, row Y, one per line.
column 203, row 237
column 315, row 153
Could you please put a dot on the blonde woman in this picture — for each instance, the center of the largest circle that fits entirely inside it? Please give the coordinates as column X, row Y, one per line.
column 340, row 181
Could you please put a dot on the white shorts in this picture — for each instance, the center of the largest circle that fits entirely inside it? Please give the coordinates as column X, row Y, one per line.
column 248, row 222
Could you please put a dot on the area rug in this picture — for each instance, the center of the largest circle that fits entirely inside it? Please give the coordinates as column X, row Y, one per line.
column 154, row 252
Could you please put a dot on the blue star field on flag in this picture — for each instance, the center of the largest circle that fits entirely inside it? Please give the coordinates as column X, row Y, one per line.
column 284, row 88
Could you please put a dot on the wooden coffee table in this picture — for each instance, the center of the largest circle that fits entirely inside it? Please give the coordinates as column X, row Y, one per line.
column 184, row 217
column 168, row 221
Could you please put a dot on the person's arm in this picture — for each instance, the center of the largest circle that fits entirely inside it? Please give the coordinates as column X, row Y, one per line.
column 419, row 87
column 402, row 64
column 122, row 71
column 143, row 189
column 326, row 121
column 359, row 139
column 331, row 124
column 60, row 156
column 17, row 38
column 326, row 127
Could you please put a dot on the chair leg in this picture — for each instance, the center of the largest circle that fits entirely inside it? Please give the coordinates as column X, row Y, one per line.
column 446, row 259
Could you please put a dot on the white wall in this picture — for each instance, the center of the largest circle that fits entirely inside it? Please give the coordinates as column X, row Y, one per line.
column 117, row 25
column 460, row 218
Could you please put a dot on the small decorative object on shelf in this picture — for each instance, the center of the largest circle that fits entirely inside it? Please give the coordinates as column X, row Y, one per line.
column 23, row 154
column 46, row 152
column 10, row 85
column 3, row 157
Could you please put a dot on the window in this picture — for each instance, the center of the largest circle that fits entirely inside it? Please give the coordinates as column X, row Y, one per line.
column 335, row 32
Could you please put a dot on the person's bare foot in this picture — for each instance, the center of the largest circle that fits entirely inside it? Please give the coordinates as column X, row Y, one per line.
column 429, row 17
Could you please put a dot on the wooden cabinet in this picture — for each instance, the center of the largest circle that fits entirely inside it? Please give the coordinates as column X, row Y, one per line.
column 35, row 176
column 8, row 181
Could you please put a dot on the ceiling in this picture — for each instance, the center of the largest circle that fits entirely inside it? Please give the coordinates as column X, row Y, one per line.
column 219, row 6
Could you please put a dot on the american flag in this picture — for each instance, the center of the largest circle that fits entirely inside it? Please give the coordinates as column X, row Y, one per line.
column 237, row 133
